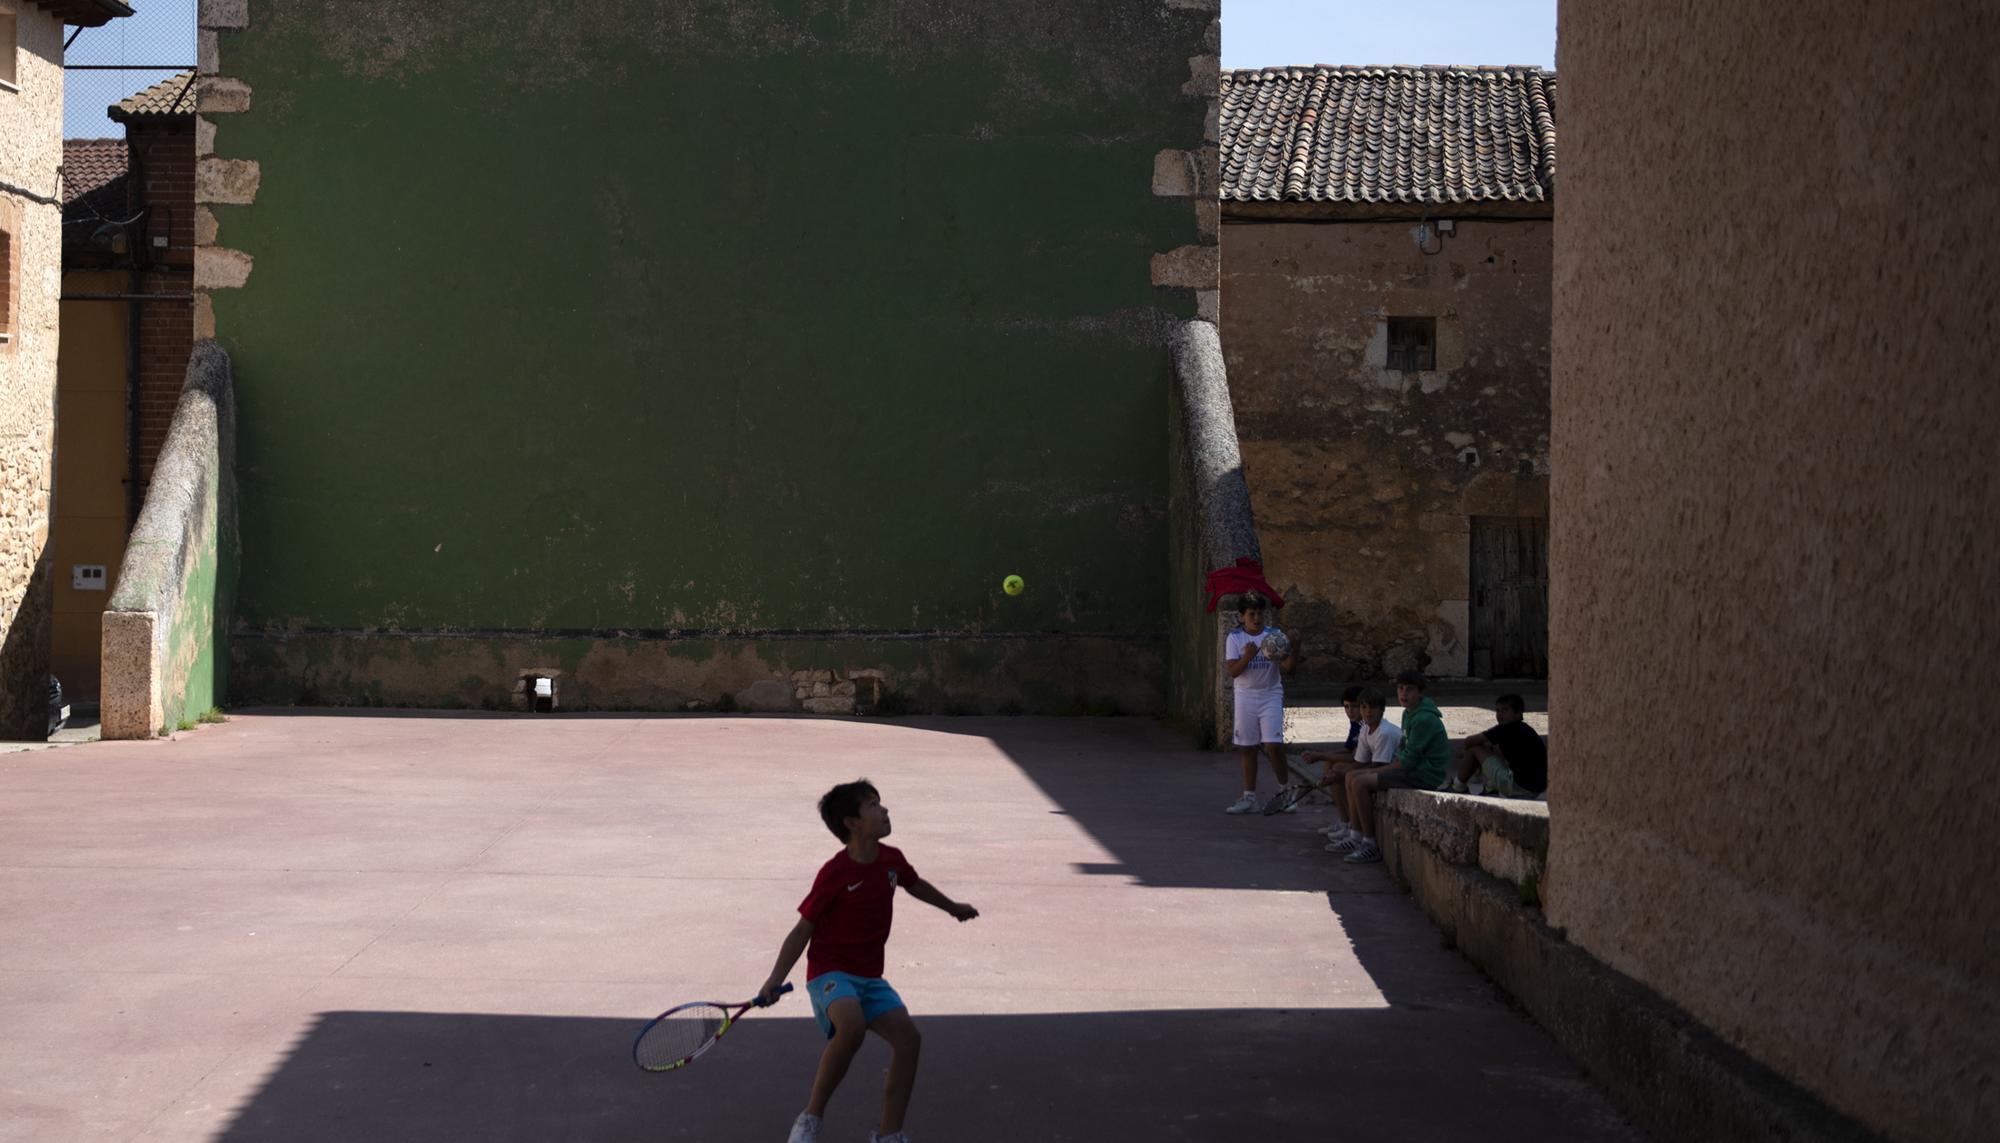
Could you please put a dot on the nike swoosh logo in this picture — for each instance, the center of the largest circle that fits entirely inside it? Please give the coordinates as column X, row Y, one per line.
column 853, row 887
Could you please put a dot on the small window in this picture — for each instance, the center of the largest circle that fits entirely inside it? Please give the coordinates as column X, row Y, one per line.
column 1413, row 344
column 10, row 46
column 6, row 286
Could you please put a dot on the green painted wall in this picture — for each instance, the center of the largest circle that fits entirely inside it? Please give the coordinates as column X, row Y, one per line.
column 759, row 318
column 743, row 317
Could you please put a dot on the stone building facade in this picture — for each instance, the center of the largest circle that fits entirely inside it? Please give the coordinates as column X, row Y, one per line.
column 1386, row 272
column 31, row 158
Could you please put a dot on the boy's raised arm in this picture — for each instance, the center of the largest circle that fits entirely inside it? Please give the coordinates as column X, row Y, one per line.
column 788, row 955
column 928, row 893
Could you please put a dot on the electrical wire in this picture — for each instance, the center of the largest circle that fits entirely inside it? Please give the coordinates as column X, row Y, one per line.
column 31, row 196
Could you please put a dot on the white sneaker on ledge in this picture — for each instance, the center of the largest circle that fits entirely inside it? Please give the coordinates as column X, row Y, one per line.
column 805, row 1129
column 1247, row 804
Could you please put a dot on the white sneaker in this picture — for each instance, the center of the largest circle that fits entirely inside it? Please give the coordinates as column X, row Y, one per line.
column 1334, row 830
column 1346, row 843
column 805, row 1129
column 1247, row 804
column 894, row 1137
column 1364, row 854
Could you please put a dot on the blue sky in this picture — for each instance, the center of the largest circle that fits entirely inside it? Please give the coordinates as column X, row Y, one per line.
column 1255, row 33
column 159, row 31
column 1268, row 33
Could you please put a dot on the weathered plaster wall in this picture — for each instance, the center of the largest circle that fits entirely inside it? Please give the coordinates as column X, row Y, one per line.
column 1774, row 547
column 165, row 633
column 1364, row 479
column 30, row 153
column 769, row 320
column 1212, row 527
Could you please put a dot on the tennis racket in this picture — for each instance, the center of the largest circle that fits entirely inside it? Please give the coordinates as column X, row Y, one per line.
column 1286, row 798
column 680, row 1035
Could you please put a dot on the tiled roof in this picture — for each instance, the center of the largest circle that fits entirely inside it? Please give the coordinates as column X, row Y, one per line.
column 89, row 164
column 171, row 96
column 1429, row 135
column 86, row 13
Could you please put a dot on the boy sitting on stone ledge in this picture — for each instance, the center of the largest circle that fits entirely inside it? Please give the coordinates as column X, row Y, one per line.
column 1420, row 764
column 1510, row 759
column 1377, row 746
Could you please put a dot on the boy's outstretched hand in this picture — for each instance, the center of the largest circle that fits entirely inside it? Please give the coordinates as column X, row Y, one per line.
column 962, row 911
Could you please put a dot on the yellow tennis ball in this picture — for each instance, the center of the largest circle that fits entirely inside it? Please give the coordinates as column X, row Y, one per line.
column 1013, row 585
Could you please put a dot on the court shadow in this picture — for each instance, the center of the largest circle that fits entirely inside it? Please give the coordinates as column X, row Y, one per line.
column 1265, row 1074
column 1155, row 803
column 1138, row 789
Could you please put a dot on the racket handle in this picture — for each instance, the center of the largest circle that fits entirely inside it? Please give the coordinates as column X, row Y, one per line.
column 763, row 1003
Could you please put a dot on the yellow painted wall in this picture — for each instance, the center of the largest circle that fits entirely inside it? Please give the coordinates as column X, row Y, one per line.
column 90, row 521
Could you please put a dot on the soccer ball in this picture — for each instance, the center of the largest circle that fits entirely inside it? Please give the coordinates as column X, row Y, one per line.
column 1276, row 646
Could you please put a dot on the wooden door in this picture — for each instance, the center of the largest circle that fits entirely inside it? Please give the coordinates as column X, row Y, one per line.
column 1510, row 597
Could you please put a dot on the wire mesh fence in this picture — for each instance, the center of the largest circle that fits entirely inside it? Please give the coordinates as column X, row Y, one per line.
column 152, row 49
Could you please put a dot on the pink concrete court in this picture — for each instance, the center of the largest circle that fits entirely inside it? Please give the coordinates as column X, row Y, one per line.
column 316, row 927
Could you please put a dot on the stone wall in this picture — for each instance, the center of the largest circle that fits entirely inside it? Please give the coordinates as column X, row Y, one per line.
column 165, row 638
column 30, row 155
column 1365, row 479
column 1774, row 541
column 1212, row 528
column 1476, row 865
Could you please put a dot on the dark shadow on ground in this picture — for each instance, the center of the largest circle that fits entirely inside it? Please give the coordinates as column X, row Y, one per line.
column 1222, row 1075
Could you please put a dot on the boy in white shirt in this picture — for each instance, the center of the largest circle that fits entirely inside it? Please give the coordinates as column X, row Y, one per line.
column 1380, row 739
column 1260, row 699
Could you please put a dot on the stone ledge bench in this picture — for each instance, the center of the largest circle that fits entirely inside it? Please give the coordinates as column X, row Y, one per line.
column 1506, row 838
column 1475, row 865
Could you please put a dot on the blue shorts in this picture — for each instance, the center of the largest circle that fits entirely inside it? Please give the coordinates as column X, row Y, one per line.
column 873, row 992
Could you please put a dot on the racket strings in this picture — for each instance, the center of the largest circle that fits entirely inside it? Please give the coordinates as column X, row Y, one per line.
column 679, row 1036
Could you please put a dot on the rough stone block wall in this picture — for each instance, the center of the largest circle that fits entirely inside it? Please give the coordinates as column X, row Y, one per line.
column 164, row 646
column 1213, row 527
column 1365, row 479
column 30, row 153
column 1774, row 548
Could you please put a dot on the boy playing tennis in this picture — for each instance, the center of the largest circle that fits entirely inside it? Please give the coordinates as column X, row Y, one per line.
column 846, row 919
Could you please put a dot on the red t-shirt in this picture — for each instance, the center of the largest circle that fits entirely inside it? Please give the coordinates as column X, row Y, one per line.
column 850, row 907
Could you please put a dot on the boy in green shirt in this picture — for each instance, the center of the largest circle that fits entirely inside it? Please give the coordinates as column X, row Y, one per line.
column 1420, row 764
